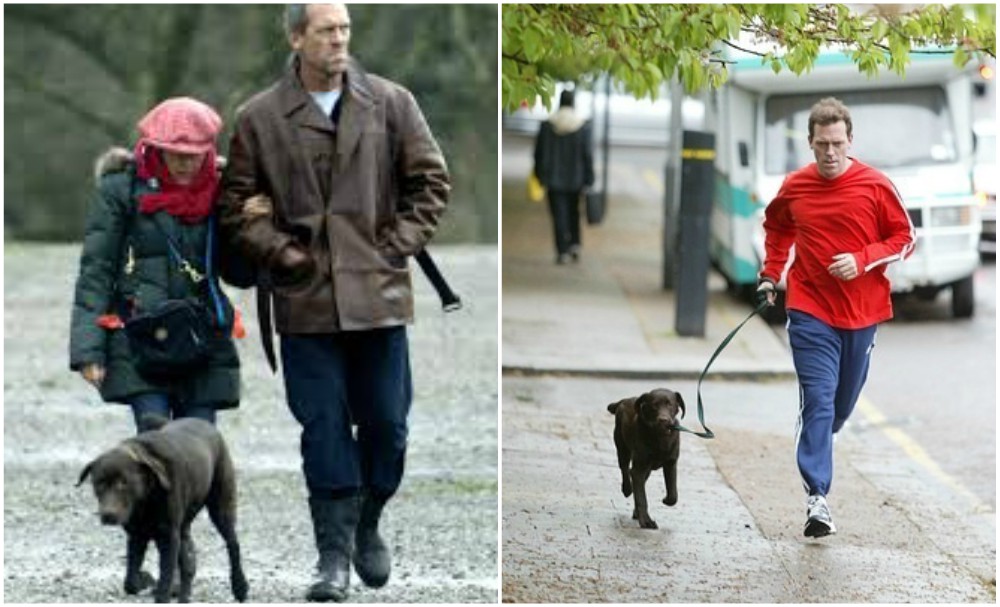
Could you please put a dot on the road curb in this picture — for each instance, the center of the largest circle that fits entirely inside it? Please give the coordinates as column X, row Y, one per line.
column 647, row 374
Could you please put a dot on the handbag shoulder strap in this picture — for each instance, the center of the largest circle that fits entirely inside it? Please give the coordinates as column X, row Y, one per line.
column 184, row 264
column 191, row 272
column 186, row 267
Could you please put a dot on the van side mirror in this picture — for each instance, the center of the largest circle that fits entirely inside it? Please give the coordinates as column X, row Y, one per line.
column 744, row 154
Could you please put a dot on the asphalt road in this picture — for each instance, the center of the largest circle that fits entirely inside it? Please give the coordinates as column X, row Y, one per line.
column 442, row 526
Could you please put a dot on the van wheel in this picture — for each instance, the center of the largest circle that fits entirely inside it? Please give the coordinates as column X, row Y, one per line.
column 962, row 299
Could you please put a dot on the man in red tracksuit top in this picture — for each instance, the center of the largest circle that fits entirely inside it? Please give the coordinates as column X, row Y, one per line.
column 847, row 222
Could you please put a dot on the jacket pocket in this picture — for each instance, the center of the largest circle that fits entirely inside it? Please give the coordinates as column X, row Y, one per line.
column 391, row 259
column 374, row 299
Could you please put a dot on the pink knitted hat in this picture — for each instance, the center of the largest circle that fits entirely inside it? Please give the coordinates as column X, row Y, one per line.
column 181, row 124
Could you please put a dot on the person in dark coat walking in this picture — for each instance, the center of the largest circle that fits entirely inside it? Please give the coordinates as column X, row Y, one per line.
column 346, row 182
column 564, row 165
column 126, row 266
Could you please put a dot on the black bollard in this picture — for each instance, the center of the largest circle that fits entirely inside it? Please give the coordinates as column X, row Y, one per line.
column 693, row 232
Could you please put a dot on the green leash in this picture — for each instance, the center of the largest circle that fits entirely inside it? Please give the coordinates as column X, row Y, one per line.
column 725, row 342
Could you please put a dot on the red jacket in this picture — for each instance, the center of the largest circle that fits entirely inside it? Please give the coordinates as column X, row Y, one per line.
column 859, row 212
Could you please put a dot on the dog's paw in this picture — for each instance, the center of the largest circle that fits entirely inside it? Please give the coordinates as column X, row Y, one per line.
column 647, row 523
column 626, row 489
column 670, row 500
column 240, row 587
column 141, row 582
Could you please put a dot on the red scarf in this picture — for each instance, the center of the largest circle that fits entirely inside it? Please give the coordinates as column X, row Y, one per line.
column 191, row 203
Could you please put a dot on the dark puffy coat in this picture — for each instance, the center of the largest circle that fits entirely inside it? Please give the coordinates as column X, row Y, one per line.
column 360, row 196
column 126, row 259
column 564, row 161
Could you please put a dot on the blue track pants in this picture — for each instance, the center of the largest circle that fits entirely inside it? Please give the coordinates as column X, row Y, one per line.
column 832, row 366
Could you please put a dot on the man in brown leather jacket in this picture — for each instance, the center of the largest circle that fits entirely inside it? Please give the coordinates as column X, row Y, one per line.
column 356, row 184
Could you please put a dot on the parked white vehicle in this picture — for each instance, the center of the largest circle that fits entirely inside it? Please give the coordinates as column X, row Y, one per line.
column 984, row 180
column 916, row 129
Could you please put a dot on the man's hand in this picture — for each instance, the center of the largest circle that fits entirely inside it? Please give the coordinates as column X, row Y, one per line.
column 256, row 206
column 292, row 265
column 843, row 267
column 93, row 373
column 766, row 293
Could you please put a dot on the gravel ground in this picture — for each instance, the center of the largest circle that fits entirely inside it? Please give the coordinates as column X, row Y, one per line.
column 442, row 526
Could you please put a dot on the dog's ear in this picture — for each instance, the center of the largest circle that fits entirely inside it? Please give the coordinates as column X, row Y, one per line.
column 680, row 403
column 85, row 473
column 613, row 407
column 646, row 407
column 144, row 457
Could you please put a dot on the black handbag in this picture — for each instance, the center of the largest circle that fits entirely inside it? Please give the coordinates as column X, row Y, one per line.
column 594, row 202
column 171, row 338
column 595, row 207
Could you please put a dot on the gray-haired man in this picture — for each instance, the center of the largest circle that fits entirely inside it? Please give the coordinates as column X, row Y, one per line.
column 357, row 184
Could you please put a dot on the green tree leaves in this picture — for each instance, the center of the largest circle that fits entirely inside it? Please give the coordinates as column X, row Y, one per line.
column 644, row 45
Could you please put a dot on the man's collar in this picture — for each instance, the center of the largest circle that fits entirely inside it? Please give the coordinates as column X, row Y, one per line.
column 355, row 86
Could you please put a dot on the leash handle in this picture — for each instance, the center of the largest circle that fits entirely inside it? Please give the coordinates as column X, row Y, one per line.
column 722, row 346
column 449, row 300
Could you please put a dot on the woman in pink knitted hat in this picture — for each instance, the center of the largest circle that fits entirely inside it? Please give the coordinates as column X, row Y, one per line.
column 151, row 328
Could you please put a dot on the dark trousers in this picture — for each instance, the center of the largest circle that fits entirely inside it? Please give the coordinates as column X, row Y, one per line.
column 336, row 382
column 565, row 210
column 832, row 366
column 157, row 403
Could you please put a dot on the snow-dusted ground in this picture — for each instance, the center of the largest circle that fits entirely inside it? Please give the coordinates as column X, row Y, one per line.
column 442, row 526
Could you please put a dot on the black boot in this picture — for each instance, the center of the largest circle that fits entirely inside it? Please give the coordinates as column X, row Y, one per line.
column 334, row 521
column 372, row 561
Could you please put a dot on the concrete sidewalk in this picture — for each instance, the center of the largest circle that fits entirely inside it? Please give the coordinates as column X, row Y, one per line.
column 735, row 534
column 578, row 336
column 607, row 314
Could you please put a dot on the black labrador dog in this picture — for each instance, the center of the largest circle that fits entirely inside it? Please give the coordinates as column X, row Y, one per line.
column 153, row 485
column 646, row 436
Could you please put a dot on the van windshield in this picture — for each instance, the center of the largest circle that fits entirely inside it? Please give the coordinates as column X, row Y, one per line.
column 892, row 128
column 986, row 149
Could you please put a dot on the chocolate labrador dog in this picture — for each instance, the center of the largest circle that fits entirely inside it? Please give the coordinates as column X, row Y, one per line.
column 646, row 436
column 153, row 485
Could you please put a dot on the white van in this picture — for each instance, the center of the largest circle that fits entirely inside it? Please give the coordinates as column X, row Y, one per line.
column 984, row 180
column 916, row 129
